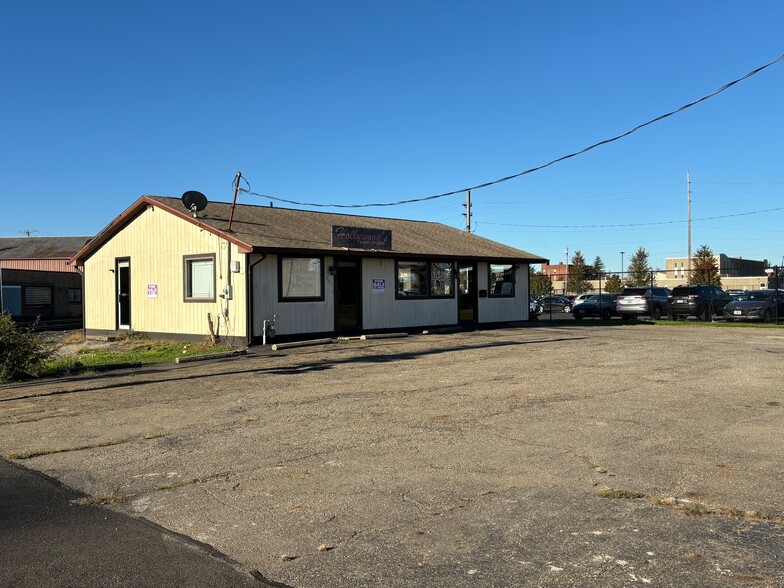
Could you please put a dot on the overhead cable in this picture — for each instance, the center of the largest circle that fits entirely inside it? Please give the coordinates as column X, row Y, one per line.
column 672, row 222
column 530, row 170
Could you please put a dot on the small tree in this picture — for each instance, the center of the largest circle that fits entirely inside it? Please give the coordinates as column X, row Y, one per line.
column 598, row 266
column 22, row 351
column 705, row 270
column 576, row 281
column 639, row 269
column 613, row 284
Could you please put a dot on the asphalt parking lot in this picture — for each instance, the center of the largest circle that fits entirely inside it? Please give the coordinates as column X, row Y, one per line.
column 546, row 455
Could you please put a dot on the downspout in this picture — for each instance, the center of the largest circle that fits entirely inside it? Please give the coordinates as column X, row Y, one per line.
column 249, row 297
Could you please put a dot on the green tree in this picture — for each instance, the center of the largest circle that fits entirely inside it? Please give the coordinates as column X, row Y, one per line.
column 639, row 269
column 577, row 280
column 705, row 270
column 539, row 284
column 613, row 284
column 598, row 266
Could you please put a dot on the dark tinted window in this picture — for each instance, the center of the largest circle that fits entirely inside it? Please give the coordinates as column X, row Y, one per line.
column 634, row 291
column 684, row 290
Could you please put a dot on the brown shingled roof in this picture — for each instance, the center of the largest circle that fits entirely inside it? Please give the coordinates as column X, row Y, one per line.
column 266, row 229
column 41, row 247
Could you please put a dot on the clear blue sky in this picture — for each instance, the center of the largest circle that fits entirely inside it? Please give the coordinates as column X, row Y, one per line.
column 357, row 102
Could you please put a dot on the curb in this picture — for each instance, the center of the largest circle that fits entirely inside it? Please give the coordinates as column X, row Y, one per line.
column 279, row 346
column 383, row 336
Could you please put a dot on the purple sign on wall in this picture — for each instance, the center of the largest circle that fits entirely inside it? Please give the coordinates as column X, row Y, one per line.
column 361, row 238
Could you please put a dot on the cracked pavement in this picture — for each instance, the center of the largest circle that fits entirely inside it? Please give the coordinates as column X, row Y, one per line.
column 445, row 460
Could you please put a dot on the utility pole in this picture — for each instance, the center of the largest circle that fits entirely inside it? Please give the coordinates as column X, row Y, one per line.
column 237, row 179
column 467, row 213
column 688, row 223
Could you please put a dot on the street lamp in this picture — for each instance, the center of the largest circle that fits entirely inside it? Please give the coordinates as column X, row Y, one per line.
column 622, row 264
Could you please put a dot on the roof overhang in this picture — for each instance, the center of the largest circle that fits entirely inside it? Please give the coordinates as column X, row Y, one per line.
column 391, row 254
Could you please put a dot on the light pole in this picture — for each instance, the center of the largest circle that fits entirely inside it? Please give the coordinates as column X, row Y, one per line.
column 774, row 271
column 622, row 265
column 566, row 270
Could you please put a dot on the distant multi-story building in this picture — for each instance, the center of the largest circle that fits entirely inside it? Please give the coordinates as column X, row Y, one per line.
column 556, row 272
column 736, row 273
column 729, row 267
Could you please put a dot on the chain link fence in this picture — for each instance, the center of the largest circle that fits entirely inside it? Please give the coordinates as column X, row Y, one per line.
column 548, row 289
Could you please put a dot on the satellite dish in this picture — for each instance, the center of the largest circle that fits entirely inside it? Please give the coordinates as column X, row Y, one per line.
column 194, row 201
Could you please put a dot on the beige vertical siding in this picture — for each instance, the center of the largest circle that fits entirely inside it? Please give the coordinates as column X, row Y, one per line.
column 156, row 243
column 39, row 265
column 380, row 310
column 500, row 310
column 292, row 317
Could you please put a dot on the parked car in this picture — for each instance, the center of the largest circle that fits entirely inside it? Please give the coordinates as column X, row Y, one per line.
column 580, row 298
column 599, row 305
column 555, row 304
column 756, row 305
column 534, row 308
column 701, row 301
column 637, row 301
column 734, row 294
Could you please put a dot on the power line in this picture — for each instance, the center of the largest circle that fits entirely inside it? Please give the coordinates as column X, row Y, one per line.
column 530, row 170
column 673, row 222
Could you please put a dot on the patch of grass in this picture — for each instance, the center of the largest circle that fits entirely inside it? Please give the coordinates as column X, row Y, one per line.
column 696, row 509
column 693, row 508
column 178, row 484
column 134, row 348
column 72, row 338
column 100, row 500
column 39, row 452
column 621, row 494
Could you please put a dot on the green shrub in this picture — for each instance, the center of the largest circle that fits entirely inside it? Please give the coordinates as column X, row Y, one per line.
column 22, row 351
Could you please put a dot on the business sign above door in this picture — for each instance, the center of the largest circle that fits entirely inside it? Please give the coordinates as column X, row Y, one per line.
column 361, row 238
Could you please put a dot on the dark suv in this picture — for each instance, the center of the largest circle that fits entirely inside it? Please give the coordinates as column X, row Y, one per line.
column 701, row 301
column 642, row 300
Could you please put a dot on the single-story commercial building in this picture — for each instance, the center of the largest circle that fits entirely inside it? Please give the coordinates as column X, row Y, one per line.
column 36, row 280
column 165, row 270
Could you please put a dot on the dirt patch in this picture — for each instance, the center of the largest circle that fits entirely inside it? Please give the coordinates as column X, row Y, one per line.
column 73, row 343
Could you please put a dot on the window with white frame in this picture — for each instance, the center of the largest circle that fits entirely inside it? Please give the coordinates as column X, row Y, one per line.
column 199, row 278
column 300, row 278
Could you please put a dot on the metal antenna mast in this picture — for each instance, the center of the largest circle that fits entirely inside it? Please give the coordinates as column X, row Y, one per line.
column 688, row 223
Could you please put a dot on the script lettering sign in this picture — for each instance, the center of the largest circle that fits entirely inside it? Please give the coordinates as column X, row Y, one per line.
column 361, row 238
